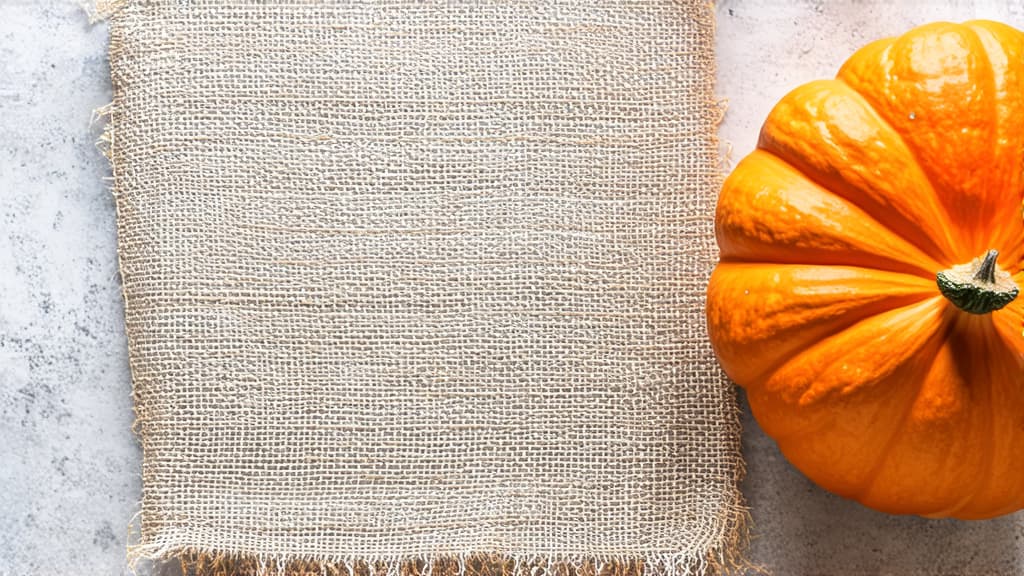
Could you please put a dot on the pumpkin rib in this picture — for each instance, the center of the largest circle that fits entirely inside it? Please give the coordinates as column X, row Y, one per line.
column 793, row 444
column 877, row 292
column 876, row 443
column 884, row 452
column 799, row 378
column 887, row 452
column 949, row 241
column 813, row 428
column 984, row 414
column 888, row 121
column 956, row 195
column 933, row 301
column 995, row 39
column 940, row 248
column 995, row 116
column 781, row 437
column 1009, row 322
column 1009, row 363
column 900, row 254
column 990, row 431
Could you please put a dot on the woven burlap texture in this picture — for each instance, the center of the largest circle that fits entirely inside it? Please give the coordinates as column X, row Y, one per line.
column 418, row 286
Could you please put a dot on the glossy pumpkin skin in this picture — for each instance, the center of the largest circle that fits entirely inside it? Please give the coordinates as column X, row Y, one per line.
column 825, row 307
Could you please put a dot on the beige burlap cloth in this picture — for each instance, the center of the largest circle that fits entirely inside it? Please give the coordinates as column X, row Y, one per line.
column 417, row 287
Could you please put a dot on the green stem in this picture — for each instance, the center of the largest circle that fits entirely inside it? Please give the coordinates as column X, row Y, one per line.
column 978, row 287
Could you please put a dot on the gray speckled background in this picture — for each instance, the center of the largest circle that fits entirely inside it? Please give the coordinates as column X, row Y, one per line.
column 69, row 465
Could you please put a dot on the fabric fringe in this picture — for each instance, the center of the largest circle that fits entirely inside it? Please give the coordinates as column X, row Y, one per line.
column 105, row 142
column 726, row 558
column 197, row 562
column 103, row 9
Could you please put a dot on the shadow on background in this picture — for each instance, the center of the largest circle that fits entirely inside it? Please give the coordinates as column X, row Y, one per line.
column 800, row 529
column 162, row 569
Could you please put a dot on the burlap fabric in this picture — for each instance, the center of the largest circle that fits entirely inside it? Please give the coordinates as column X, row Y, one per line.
column 418, row 286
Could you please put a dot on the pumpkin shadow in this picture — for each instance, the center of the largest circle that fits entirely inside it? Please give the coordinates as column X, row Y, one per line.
column 800, row 529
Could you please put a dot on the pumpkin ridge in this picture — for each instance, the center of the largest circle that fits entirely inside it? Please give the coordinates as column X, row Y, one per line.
column 910, row 270
column 947, row 247
column 989, row 338
column 886, row 263
column 903, row 393
column 853, row 315
column 809, row 394
column 881, row 307
column 994, row 345
column 940, row 248
column 994, row 111
column 1016, row 254
column 969, row 242
column 1009, row 323
column 929, row 352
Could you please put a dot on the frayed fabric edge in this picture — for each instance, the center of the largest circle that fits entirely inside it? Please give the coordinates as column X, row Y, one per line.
column 105, row 142
column 100, row 10
column 724, row 557
column 200, row 562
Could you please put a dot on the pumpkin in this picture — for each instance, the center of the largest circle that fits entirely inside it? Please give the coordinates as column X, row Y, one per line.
column 871, row 254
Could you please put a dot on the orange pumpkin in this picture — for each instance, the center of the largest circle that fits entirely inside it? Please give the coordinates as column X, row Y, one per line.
column 871, row 254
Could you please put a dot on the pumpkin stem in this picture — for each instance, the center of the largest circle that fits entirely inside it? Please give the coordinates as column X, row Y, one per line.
column 978, row 287
column 987, row 271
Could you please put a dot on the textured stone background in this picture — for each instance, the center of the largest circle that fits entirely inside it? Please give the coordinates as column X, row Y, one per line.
column 69, row 465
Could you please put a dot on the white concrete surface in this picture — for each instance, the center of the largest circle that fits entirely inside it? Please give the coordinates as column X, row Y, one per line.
column 69, row 465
